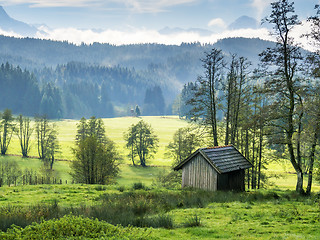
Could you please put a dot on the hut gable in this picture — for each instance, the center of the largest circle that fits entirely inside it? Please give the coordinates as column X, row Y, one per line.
column 216, row 168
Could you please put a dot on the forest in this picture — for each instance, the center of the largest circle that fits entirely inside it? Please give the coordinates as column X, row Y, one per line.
column 113, row 79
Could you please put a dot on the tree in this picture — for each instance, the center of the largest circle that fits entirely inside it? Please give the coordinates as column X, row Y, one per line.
column 6, row 130
column 24, row 132
column 47, row 141
column 96, row 158
column 137, row 111
column 312, row 132
column 9, row 172
column 234, row 87
column 204, row 102
column 313, row 100
column 154, row 104
column 187, row 93
column 142, row 141
column 185, row 142
column 283, row 84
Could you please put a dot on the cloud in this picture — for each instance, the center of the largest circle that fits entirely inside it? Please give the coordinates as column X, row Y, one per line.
column 155, row 5
column 132, row 5
column 260, row 6
column 51, row 3
column 10, row 34
column 137, row 36
column 217, row 22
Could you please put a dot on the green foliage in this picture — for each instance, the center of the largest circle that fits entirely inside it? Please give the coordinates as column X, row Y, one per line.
column 154, row 104
column 10, row 172
column 171, row 179
column 24, row 132
column 138, row 185
column 142, row 141
column 183, row 107
column 185, row 142
column 96, row 158
column 72, row 227
column 47, row 140
column 6, row 130
column 193, row 221
column 19, row 90
column 95, row 162
column 209, row 212
column 137, row 111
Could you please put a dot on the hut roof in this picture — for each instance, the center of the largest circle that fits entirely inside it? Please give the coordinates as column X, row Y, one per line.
column 223, row 159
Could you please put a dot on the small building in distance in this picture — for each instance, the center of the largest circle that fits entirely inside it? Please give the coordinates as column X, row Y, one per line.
column 216, row 168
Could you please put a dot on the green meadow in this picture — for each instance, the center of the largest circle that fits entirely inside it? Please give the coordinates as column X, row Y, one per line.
column 281, row 172
column 164, row 127
column 153, row 212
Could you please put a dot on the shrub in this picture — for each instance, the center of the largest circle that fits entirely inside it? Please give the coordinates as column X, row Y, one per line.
column 193, row 221
column 158, row 221
column 73, row 227
column 100, row 188
column 138, row 185
column 121, row 188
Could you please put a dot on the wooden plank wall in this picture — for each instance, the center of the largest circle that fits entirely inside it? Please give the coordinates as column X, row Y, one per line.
column 198, row 173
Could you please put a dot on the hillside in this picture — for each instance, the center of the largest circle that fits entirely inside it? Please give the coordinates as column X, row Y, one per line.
column 106, row 80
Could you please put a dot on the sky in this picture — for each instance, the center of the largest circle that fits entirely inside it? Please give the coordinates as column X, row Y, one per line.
column 134, row 21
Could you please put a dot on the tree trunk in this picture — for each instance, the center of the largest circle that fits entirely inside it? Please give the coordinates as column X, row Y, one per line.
column 311, row 159
column 260, row 155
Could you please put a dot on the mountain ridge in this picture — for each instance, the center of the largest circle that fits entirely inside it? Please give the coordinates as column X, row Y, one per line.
column 9, row 24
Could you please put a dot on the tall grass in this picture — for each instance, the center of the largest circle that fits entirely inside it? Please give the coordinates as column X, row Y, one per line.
column 143, row 208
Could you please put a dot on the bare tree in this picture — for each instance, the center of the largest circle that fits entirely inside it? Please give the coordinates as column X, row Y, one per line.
column 283, row 84
column 24, row 132
column 204, row 102
column 47, row 140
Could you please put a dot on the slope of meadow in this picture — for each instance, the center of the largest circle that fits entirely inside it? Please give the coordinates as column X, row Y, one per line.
column 164, row 127
column 155, row 212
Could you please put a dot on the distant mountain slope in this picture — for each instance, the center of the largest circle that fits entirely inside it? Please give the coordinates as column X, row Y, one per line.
column 11, row 25
column 35, row 53
column 244, row 22
column 169, row 65
column 107, row 80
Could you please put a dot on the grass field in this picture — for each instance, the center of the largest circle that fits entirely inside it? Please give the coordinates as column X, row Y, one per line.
column 164, row 127
column 169, row 214
column 275, row 213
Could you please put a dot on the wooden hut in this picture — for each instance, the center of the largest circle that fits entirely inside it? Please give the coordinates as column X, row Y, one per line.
column 216, row 168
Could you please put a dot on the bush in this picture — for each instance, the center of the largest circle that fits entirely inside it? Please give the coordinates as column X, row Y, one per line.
column 158, row 221
column 193, row 221
column 139, row 185
column 121, row 188
column 73, row 227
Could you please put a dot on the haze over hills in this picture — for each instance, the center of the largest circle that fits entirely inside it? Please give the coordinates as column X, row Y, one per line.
column 78, row 77
column 69, row 80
